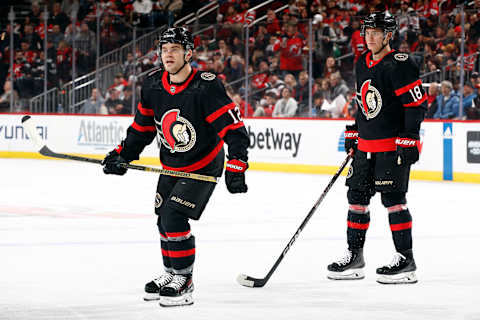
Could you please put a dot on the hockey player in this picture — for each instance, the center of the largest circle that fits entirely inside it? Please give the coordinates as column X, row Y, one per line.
column 385, row 142
column 193, row 117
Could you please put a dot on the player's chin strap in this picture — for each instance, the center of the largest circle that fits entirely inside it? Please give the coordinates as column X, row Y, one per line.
column 183, row 66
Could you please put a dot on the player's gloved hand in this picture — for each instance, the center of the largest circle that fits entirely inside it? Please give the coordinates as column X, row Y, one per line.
column 351, row 138
column 111, row 163
column 407, row 149
column 235, row 176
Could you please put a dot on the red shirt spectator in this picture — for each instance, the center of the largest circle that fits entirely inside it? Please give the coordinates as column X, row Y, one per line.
column 290, row 49
column 358, row 44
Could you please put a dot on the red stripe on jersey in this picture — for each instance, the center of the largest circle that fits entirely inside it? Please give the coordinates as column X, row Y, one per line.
column 215, row 115
column 119, row 148
column 377, row 145
column 233, row 126
column 177, row 234
column 201, row 163
column 416, row 103
column 359, row 226
column 144, row 111
column 397, row 208
column 163, row 236
column 174, row 89
column 412, row 85
column 140, row 128
column 178, row 254
column 401, row 226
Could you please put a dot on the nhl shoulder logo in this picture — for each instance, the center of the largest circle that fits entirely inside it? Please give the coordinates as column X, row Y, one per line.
column 175, row 132
column 207, row 76
column 369, row 99
column 400, row 56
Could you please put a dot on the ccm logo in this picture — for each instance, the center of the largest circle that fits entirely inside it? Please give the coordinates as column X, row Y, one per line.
column 351, row 135
column 405, row 142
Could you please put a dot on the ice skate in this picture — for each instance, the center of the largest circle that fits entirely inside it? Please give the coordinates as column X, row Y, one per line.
column 152, row 288
column 178, row 292
column 400, row 271
column 349, row 267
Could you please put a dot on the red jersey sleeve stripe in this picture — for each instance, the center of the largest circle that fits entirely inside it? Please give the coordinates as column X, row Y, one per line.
column 416, row 103
column 215, row 115
column 412, row 85
column 140, row 128
column 233, row 126
column 144, row 111
column 177, row 234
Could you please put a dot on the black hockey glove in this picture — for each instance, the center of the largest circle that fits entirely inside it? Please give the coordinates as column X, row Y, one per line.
column 235, row 176
column 111, row 163
column 351, row 138
column 407, row 149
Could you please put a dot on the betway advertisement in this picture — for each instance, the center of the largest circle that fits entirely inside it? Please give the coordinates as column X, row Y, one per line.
column 449, row 148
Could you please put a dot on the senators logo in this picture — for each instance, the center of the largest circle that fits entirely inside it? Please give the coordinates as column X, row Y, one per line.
column 176, row 133
column 369, row 100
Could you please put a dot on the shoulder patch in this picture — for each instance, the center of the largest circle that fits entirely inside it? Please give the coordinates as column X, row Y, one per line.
column 207, row 76
column 400, row 56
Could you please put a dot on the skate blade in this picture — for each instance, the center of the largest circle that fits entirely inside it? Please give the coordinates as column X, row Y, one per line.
column 351, row 274
column 401, row 278
column 151, row 297
column 183, row 300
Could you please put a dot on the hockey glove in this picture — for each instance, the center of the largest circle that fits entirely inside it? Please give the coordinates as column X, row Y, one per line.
column 235, row 176
column 351, row 138
column 111, row 163
column 407, row 149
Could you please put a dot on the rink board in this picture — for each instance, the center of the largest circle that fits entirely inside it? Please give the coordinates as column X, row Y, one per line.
column 451, row 149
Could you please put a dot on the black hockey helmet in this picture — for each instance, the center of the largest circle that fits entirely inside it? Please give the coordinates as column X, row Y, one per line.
column 178, row 35
column 379, row 20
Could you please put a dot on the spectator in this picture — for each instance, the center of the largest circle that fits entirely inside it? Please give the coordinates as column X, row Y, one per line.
column 5, row 97
column 275, row 84
column 241, row 105
column 325, row 37
column 267, row 105
column 433, row 91
column 85, row 43
column 119, row 84
column 290, row 48
column 32, row 38
column 129, row 67
column 113, row 102
column 273, row 26
column 94, row 104
column 59, row 17
column 447, row 101
column 302, row 92
column 469, row 94
column 473, row 113
column 56, row 36
column 338, row 96
column 286, row 107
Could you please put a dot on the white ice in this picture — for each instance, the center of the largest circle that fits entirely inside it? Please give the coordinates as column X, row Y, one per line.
column 78, row 244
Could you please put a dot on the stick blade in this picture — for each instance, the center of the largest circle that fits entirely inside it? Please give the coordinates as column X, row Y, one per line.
column 250, row 282
column 29, row 126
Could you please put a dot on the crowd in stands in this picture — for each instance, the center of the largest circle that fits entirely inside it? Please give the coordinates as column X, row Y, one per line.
column 278, row 52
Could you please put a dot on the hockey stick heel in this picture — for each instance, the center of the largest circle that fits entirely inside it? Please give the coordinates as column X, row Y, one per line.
column 250, row 282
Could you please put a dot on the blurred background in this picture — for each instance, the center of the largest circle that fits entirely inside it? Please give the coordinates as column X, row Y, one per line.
column 90, row 57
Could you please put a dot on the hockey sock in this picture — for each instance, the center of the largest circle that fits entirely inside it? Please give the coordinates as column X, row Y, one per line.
column 358, row 221
column 164, row 246
column 401, row 226
column 181, row 255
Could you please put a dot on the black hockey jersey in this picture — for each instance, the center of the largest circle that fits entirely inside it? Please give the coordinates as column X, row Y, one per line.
column 192, row 120
column 390, row 99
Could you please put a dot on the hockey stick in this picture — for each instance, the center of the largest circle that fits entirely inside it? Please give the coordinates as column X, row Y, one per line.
column 29, row 126
column 251, row 282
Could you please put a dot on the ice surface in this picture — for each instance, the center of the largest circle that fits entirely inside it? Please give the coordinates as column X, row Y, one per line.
column 78, row 244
